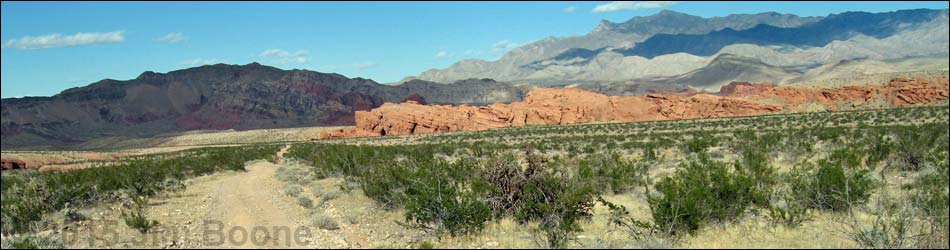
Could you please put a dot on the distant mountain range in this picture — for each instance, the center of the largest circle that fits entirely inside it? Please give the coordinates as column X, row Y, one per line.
column 218, row 96
column 665, row 52
column 671, row 44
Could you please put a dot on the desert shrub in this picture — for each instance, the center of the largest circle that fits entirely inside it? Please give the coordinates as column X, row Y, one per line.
column 915, row 144
column 545, row 192
column 909, row 160
column 558, row 205
column 426, row 245
column 892, row 226
column 930, row 192
column 611, row 172
column 305, row 202
column 879, row 150
column 33, row 242
column 698, row 144
column 386, row 184
column 22, row 205
column 324, row 221
column 134, row 215
column 506, row 179
column 443, row 201
column 702, row 191
column 293, row 190
column 832, row 186
column 784, row 209
column 637, row 229
column 754, row 167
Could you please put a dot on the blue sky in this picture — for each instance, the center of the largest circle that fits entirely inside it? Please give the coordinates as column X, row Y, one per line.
column 51, row 46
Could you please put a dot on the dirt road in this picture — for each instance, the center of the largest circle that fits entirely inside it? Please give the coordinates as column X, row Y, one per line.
column 247, row 210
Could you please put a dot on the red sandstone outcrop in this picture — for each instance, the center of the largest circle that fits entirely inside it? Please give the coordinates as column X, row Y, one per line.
column 545, row 106
column 8, row 164
column 898, row 92
column 567, row 106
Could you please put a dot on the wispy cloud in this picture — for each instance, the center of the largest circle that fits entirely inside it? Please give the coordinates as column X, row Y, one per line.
column 632, row 5
column 570, row 9
column 199, row 62
column 172, row 37
column 58, row 40
column 281, row 57
column 443, row 54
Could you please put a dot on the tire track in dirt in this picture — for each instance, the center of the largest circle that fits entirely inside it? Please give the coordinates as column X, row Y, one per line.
column 239, row 209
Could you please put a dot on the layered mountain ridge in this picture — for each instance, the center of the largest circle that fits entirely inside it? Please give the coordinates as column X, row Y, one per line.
column 670, row 43
column 220, row 96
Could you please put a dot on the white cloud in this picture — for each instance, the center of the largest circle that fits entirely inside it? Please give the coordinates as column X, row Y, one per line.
column 443, row 54
column 172, row 38
column 59, row 40
column 365, row 65
column 199, row 62
column 280, row 57
column 570, row 9
column 632, row 5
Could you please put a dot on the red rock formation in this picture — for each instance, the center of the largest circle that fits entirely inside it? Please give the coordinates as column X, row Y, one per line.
column 898, row 92
column 545, row 106
column 8, row 164
column 567, row 106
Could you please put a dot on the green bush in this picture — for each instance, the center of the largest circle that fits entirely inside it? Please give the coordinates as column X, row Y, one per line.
column 33, row 242
column 22, row 206
column 832, row 186
column 444, row 202
column 701, row 192
column 784, row 209
column 931, row 193
column 699, row 144
column 426, row 245
column 293, row 190
column 323, row 221
column 559, row 206
column 754, row 167
column 135, row 217
column 305, row 202
column 611, row 172
column 546, row 192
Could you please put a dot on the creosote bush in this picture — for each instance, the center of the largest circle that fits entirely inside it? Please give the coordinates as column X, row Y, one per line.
column 832, row 186
column 134, row 215
column 324, row 221
column 702, row 191
column 33, row 242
